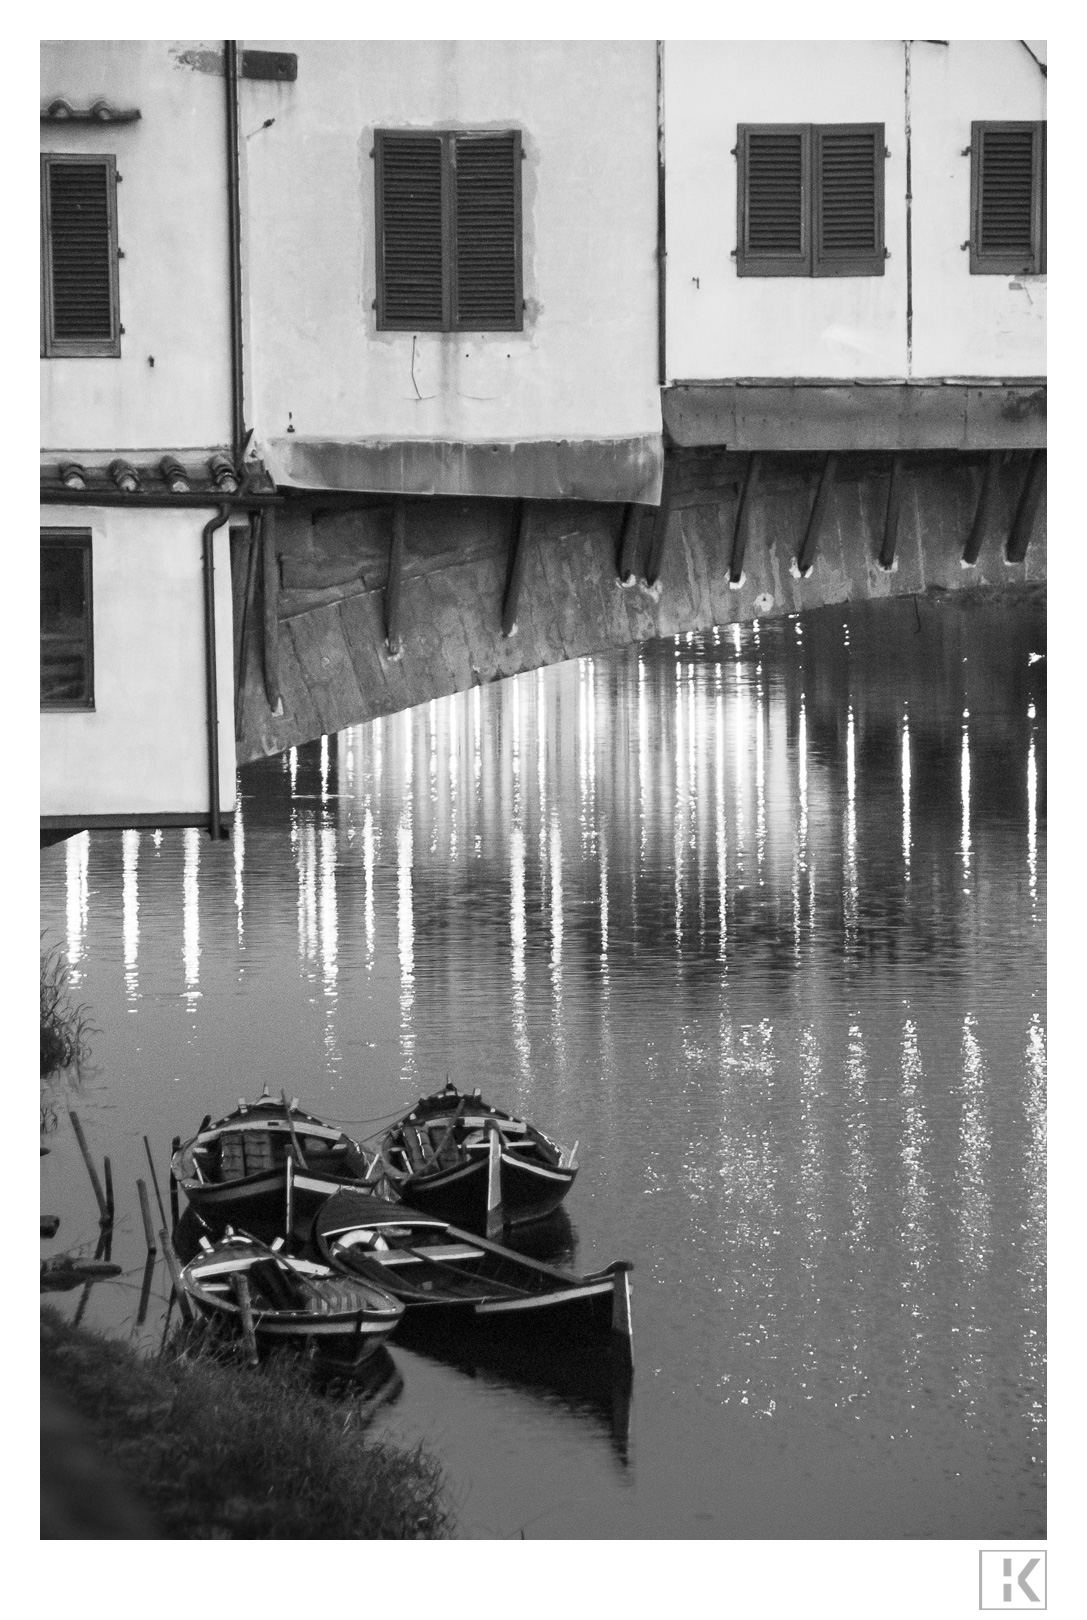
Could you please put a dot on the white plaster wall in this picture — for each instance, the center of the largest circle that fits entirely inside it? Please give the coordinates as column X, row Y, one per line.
column 724, row 325
column 143, row 748
column 964, row 324
column 172, row 228
column 585, row 364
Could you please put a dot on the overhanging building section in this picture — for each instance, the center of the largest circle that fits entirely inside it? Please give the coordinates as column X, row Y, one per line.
column 606, row 469
column 782, row 414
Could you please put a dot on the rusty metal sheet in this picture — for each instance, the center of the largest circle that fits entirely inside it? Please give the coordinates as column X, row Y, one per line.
column 847, row 416
column 621, row 469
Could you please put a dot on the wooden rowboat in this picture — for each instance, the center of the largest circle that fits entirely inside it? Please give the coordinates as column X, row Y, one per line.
column 289, row 1298
column 459, row 1158
column 450, row 1280
column 235, row 1169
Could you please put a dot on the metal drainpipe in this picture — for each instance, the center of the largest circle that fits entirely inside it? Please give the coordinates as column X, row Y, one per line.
column 233, row 186
column 211, row 681
column 662, row 248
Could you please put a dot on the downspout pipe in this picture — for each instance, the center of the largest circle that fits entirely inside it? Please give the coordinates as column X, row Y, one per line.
column 662, row 249
column 234, row 234
column 210, row 678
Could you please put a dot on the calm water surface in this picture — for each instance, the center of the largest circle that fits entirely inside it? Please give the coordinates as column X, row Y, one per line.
column 758, row 918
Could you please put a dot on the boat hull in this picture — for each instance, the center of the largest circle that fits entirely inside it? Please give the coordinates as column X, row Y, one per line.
column 459, row 1194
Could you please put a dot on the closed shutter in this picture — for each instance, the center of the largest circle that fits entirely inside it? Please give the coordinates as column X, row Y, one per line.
column 1007, row 185
column 487, row 231
column 412, row 279
column 847, row 197
column 79, row 256
column 773, row 235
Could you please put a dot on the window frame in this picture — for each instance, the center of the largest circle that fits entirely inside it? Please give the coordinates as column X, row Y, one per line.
column 810, row 262
column 448, row 323
column 1009, row 264
column 52, row 347
column 81, row 540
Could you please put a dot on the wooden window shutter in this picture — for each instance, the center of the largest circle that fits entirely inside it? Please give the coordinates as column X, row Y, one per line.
column 847, row 200
column 487, row 231
column 773, row 200
column 1007, row 198
column 80, row 313
column 413, row 280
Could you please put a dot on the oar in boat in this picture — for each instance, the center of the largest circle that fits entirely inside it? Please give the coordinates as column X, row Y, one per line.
column 294, row 1134
column 495, row 1218
column 436, row 1153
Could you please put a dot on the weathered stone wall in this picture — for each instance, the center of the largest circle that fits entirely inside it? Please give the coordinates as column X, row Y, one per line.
column 334, row 667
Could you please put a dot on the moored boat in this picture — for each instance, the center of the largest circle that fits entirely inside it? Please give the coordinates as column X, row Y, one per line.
column 235, row 1169
column 450, row 1280
column 290, row 1299
column 455, row 1156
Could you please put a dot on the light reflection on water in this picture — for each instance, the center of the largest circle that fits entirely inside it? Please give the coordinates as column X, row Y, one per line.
column 758, row 918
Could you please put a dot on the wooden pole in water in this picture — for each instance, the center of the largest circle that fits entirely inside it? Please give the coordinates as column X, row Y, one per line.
column 240, row 1284
column 174, row 1145
column 145, row 1288
column 155, row 1180
column 495, row 1219
column 145, row 1210
column 103, row 1208
column 183, row 1302
column 108, row 1168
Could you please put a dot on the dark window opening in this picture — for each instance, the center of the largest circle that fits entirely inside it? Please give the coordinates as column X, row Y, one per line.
column 1007, row 199
column 448, row 230
column 80, row 313
column 67, row 642
column 810, row 200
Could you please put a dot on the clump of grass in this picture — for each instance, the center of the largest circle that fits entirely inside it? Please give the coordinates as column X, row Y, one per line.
column 225, row 1452
column 64, row 1026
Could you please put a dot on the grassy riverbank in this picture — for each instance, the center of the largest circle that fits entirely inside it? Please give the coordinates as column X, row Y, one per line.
column 217, row 1450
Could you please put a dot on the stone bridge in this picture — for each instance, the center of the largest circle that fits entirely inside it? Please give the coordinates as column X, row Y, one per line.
column 351, row 607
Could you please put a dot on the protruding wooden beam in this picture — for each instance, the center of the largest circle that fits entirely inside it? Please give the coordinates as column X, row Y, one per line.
column 743, row 519
column 515, row 566
column 983, row 511
column 245, row 634
column 890, row 521
column 628, row 543
column 1025, row 512
column 271, row 611
column 806, row 555
column 660, row 528
column 392, row 588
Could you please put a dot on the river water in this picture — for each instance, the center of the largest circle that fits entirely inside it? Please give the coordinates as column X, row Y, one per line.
column 758, row 918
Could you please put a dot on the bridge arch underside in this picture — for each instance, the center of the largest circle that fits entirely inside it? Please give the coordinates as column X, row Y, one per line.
column 317, row 626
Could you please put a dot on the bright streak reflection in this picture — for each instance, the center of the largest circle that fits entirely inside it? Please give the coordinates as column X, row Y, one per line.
column 130, row 908
column 191, row 913
column 76, row 857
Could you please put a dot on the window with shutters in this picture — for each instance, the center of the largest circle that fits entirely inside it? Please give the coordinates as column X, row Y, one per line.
column 1007, row 199
column 67, row 642
column 809, row 200
column 448, row 230
column 79, row 256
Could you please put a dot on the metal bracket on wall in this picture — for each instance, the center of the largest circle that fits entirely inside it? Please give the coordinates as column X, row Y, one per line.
column 392, row 588
column 890, row 521
column 515, row 566
column 1023, row 522
column 743, row 519
column 983, row 511
column 806, row 555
